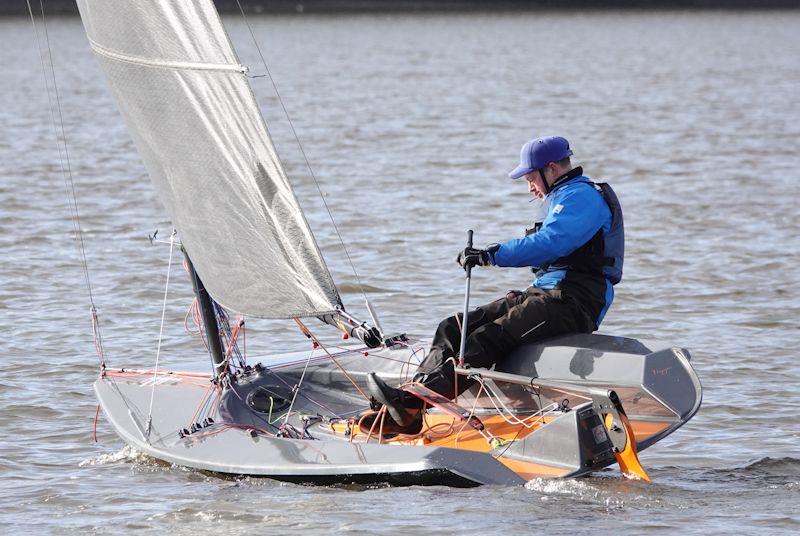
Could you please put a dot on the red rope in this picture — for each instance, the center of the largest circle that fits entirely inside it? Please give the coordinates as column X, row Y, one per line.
column 194, row 313
column 308, row 333
column 202, row 403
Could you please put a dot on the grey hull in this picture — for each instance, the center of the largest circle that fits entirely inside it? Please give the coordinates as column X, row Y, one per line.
column 237, row 452
column 655, row 385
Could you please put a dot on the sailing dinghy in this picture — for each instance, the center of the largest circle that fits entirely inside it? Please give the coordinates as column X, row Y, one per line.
column 564, row 408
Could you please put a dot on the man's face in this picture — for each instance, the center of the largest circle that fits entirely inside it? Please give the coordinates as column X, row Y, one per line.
column 535, row 185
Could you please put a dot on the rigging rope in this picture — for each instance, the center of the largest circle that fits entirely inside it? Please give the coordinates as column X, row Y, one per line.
column 302, row 149
column 66, row 167
column 319, row 343
column 296, row 389
column 512, row 418
column 94, row 429
column 160, row 333
column 230, row 336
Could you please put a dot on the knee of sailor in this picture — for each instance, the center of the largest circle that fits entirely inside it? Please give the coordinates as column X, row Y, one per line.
column 515, row 297
column 491, row 330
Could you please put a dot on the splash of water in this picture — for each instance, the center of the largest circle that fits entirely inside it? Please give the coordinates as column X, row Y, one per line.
column 127, row 454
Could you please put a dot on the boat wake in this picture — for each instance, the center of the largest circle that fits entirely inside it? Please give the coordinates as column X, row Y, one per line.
column 612, row 497
column 609, row 492
column 771, row 470
column 784, row 467
column 767, row 472
column 127, row 454
column 558, row 487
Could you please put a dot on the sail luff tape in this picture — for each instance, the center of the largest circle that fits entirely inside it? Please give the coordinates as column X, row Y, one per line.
column 178, row 65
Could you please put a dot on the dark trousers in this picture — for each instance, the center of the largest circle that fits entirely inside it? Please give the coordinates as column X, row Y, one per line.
column 495, row 329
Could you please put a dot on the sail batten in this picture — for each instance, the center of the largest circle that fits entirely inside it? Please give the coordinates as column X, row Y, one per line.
column 190, row 110
column 98, row 49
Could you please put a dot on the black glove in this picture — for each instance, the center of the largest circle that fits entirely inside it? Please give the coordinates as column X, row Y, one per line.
column 371, row 336
column 474, row 257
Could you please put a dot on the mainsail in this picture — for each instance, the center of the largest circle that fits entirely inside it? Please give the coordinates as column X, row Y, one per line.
column 195, row 122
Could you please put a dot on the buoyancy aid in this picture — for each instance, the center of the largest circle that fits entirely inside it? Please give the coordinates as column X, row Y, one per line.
column 604, row 253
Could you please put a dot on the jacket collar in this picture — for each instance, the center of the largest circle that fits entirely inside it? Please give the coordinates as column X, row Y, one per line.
column 565, row 178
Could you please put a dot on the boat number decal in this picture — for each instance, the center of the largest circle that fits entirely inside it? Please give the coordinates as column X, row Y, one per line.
column 661, row 371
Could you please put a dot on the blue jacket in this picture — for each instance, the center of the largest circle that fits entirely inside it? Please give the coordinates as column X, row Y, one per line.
column 576, row 211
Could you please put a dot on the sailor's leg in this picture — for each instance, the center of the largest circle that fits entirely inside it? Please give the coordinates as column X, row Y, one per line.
column 436, row 370
column 543, row 314
column 540, row 314
column 447, row 338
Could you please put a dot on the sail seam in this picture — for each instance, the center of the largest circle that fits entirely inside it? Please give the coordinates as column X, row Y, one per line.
column 178, row 65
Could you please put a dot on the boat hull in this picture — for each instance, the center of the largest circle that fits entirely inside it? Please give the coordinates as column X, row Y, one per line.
column 658, row 389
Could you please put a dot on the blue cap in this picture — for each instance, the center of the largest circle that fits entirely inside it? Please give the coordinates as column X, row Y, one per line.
column 539, row 152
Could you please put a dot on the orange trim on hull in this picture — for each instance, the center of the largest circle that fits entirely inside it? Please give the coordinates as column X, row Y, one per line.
column 644, row 429
column 443, row 430
column 530, row 470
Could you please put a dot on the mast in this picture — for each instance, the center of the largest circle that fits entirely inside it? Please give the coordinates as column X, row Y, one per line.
column 209, row 317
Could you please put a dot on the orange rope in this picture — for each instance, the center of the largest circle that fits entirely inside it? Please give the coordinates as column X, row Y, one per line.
column 138, row 374
column 380, row 430
column 202, row 403
column 431, row 430
column 380, row 415
column 194, row 313
column 229, row 351
column 357, row 426
column 471, row 413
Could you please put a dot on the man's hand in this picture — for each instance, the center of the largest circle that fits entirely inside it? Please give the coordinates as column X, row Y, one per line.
column 512, row 295
column 473, row 257
column 371, row 336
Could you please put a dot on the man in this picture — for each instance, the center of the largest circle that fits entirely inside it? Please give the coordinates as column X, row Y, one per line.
column 576, row 253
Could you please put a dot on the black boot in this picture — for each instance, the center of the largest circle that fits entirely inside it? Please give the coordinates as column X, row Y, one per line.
column 397, row 402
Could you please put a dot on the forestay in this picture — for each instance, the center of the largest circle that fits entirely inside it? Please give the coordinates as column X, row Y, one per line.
column 190, row 110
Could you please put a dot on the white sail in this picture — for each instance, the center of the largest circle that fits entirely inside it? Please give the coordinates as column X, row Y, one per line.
column 190, row 110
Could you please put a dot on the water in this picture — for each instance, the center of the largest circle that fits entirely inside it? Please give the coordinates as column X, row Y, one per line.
column 410, row 123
